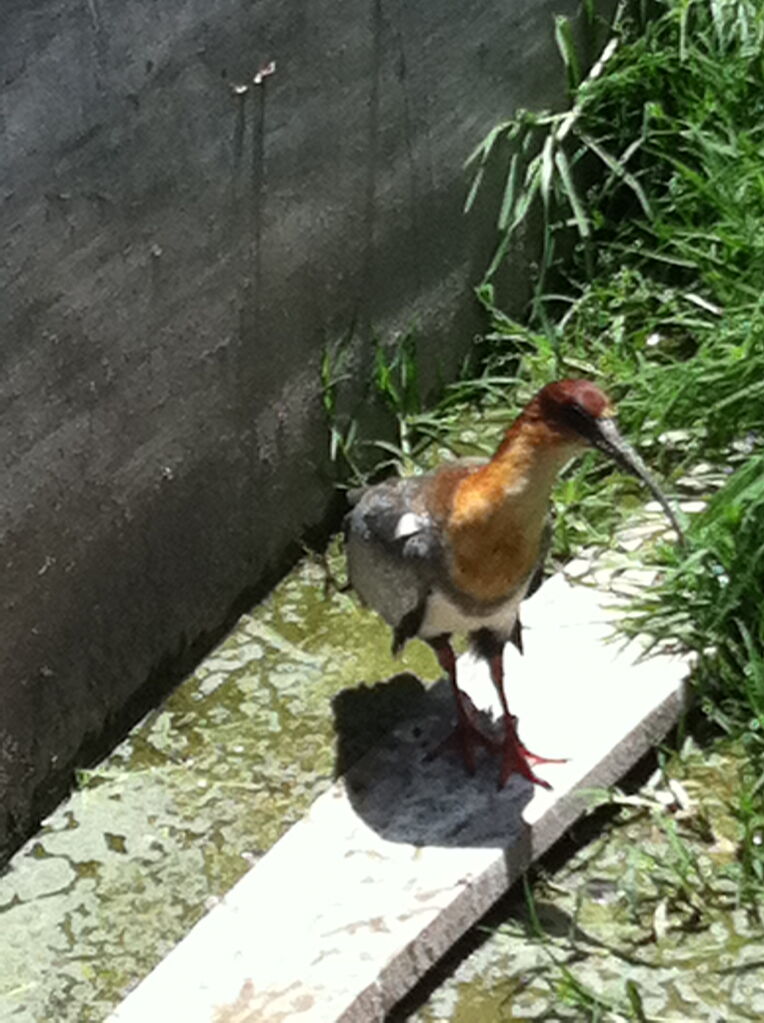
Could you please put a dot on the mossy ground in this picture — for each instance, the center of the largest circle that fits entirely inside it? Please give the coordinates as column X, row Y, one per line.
column 196, row 793
column 605, row 941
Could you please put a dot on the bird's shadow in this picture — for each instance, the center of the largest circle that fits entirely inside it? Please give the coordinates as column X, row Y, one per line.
column 405, row 781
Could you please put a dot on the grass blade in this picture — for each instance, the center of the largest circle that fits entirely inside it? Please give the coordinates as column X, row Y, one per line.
column 579, row 214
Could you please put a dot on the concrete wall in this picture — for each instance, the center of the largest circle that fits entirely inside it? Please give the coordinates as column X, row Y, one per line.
column 174, row 257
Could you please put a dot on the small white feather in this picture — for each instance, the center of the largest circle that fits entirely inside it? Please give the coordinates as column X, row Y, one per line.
column 408, row 524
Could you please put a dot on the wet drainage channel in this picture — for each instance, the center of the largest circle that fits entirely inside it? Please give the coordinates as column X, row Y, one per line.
column 196, row 794
column 193, row 797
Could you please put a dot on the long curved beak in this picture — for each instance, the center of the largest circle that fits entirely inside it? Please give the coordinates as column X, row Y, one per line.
column 606, row 438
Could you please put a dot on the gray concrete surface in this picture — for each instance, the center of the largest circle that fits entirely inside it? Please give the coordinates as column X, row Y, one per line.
column 174, row 255
column 343, row 916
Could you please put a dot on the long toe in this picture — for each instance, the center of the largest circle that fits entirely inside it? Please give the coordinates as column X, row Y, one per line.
column 534, row 758
column 515, row 758
column 525, row 753
column 513, row 762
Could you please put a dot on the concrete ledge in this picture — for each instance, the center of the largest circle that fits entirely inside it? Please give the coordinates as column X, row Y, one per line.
column 392, row 865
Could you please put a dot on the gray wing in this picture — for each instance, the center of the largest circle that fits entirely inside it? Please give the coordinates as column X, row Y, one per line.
column 393, row 553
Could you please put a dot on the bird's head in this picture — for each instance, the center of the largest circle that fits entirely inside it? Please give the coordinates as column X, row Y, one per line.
column 580, row 412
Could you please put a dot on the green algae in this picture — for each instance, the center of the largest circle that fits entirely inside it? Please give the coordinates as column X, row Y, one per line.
column 206, row 784
column 212, row 778
column 199, row 790
column 610, row 931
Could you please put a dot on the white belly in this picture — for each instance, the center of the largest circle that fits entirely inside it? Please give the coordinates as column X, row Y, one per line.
column 442, row 616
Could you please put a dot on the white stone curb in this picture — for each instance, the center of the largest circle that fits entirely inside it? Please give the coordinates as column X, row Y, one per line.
column 393, row 864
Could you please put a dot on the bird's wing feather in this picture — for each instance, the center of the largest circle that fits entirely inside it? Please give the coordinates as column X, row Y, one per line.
column 394, row 545
column 393, row 549
column 392, row 515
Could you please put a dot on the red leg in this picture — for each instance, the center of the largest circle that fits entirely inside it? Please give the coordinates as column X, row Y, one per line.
column 467, row 728
column 515, row 756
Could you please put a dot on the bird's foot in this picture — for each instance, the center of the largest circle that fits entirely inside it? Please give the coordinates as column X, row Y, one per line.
column 331, row 583
column 516, row 758
column 513, row 762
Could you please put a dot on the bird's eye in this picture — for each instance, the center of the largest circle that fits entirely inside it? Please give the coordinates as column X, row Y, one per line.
column 577, row 415
column 578, row 419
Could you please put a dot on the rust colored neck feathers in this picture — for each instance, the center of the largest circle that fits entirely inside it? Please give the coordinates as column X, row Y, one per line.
column 499, row 511
column 521, row 473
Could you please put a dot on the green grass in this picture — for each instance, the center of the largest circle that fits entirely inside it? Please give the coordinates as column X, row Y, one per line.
column 651, row 183
column 650, row 280
column 663, row 302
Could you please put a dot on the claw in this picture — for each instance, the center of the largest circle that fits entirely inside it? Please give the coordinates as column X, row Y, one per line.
column 516, row 758
column 513, row 762
column 525, row 753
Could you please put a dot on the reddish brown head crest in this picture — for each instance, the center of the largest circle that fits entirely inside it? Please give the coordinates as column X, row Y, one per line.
column 566, row 410
column 557, row 400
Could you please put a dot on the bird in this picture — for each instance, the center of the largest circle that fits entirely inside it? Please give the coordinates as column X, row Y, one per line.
column 457, row 549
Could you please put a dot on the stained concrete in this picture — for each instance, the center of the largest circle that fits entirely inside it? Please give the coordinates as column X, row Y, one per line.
column 393, row 864
column 611, row 934
column 195, row 794
column 177, row 245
